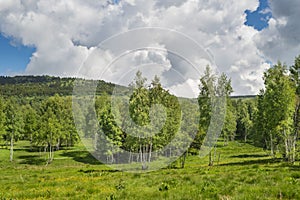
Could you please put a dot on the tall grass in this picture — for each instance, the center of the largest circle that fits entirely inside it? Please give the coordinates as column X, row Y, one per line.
column 243, row 172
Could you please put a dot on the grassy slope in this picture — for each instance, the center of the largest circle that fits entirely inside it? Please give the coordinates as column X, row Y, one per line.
column 244, row 172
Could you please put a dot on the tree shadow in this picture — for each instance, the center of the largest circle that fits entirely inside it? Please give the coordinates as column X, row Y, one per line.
column 90, row 171
column 250, row 156
column 295, row 167
column 82, row 156
column 32, row 160
column 253, row 162
column 290, row 166
column 40, row 148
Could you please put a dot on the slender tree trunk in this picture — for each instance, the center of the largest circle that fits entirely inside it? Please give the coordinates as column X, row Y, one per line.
column 45, row 151
column 272, row 146
column 129, row 158
column 112, row 158
column 290, row 147
column 296, row 125
column 141, row 154
column 150, row 152
column 215, row 154
column 49, row 154
column 12, row 147
column 226, row 139
column 31, row 141
column 183, row 160
column 58, row 144
column 210, row 159
column 294, row 148
column 219, row 158
column 52, row 154
column 146, row 153
column 286, row 156
column 286, row 145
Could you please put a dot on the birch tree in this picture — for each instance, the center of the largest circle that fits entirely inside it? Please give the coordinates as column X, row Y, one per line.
column 139, row 108
column 30, row 123
column 279, row 109
column 213, row 88
column 51, row 125
column 2, row 119
column 207, row 91
column 260, row 123
column 244, row 118
column 295, row 77
column 13, row 124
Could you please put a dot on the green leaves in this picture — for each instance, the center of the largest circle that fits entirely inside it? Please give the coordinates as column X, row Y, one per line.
column 277, row 109
column 13, row 124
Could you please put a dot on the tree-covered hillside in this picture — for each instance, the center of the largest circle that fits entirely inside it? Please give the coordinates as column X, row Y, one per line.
column 32, row 86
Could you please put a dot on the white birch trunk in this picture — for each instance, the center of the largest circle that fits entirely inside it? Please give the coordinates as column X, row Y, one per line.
column 150, row 152
column 12, row 148
column 272, row 146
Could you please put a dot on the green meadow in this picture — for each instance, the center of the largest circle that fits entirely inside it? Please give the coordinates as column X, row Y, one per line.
column 241, row 171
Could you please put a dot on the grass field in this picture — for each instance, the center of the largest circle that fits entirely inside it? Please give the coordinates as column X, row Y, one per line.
column 243, row 172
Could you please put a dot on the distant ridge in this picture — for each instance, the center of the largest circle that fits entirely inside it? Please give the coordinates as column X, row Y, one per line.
column 30, row 86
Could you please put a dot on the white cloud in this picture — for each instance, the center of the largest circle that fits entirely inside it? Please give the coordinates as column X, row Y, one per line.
column 265, row 11
column 63, row 32
column 281, row 40
column 186, row 89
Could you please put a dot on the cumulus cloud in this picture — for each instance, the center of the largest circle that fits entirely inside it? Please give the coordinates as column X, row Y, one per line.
column 66, row 32
column 281, row 40
column 186, row 89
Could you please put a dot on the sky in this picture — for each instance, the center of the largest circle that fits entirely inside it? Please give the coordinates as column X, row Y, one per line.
column 14, row 56
column 243, row 38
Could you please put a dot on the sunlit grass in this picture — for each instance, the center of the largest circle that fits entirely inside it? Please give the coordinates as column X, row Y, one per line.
column 242, row 172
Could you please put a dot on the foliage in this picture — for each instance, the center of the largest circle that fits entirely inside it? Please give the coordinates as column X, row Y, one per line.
column 276, row 109
column 33, row 86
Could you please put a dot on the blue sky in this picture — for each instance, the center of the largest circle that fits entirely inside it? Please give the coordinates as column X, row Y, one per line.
column 259, row 18
column 14, row 57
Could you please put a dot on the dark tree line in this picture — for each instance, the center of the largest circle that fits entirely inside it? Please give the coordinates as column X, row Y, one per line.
column 44, row 86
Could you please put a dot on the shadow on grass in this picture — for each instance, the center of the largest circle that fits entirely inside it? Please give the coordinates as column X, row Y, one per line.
column 32, row 160
column 89, row 171
column 295, row 167
column 253, row 162
column 82, row 156
column 250, row 156
column 40, row 149
column 290, row 166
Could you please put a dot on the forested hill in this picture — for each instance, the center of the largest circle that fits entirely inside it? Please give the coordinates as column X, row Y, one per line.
column 29, row 86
